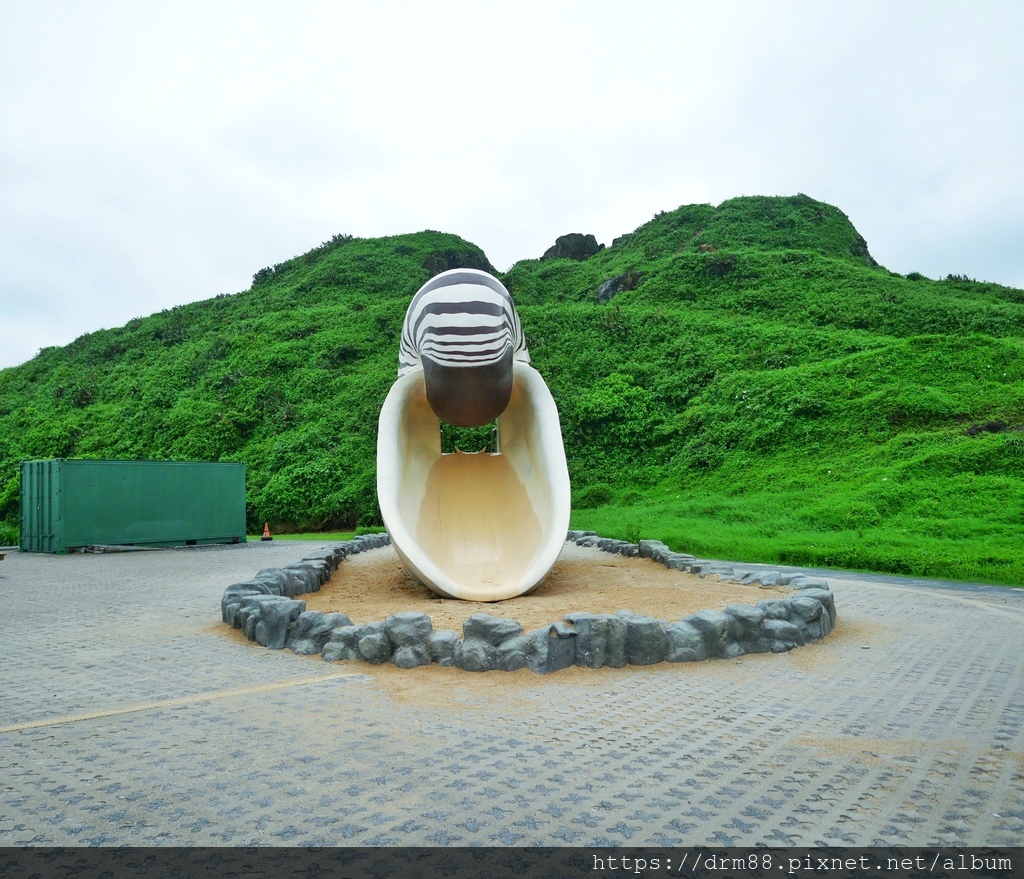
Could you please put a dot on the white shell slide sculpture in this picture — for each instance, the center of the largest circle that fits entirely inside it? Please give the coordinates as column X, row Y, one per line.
column 481, row 527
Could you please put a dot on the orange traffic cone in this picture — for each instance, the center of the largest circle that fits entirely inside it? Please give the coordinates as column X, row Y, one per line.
column 266, row 532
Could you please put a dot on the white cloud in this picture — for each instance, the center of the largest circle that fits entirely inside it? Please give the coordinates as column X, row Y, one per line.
column 151, row 156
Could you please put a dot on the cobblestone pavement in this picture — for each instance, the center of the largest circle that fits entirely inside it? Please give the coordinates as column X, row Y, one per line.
column 128, row 716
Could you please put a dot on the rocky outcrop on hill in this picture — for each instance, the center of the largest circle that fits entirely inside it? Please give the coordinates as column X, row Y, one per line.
column 619, row 284
column 575, row 246
column 443, row 260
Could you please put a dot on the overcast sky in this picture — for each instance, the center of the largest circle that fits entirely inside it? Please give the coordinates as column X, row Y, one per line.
column 156, row 154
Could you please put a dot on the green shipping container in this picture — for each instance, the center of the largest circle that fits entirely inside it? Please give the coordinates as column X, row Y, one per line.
column 68, row 504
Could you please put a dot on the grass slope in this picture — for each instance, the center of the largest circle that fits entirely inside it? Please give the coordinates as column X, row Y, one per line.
column 287, row 377
column 765, row 392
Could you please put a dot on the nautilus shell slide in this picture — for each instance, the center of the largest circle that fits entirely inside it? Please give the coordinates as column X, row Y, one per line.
column 480, row 527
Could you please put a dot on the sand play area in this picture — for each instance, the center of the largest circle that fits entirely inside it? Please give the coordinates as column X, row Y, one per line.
column 373, row 585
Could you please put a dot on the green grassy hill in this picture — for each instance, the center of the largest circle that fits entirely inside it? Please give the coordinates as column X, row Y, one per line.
column 758, row 390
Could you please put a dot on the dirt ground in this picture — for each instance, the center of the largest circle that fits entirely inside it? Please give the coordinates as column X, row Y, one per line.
column 372, row 586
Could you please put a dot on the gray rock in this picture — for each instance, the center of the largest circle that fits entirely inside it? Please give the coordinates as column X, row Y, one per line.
column 275, row 576
column 776, row 608
column 408, row 629
column 411, row 656
column 442, row 647
column 988, row 427
column 806, row 609
column 513, row 654
column 646, row 641
column 812, row 616
column 649, row 548
column 619, row 284
column 745, row 621
column 276, row 616
column 745, row 629
column 714, row 628
column 330, row 557
column 343, row 644
column 475, row 654
column 548, row 649
column 374, row 647
column 308, row 621
column 677, row 561
column 686, row 643
column 250, row 587
column 367, row 642
column 782, row 635
column 302, row 578
column 312, row 630
column 575, row 246
column 805, row 582
column 825, row 597
column 366, row 542
column 320, row 567
column 561, row 647
column 250, row 610
column 492, row 630
column 615, row 647
column 232, row 598
column 247, row 614
column 770, row 578
column 591, row 638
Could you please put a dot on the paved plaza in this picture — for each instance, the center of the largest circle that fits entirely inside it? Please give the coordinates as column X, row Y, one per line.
column 129, row 715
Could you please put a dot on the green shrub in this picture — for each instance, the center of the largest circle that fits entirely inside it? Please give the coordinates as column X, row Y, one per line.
column 595, row 495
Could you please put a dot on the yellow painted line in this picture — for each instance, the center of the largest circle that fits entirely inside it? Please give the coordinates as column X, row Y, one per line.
column 175, row 703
